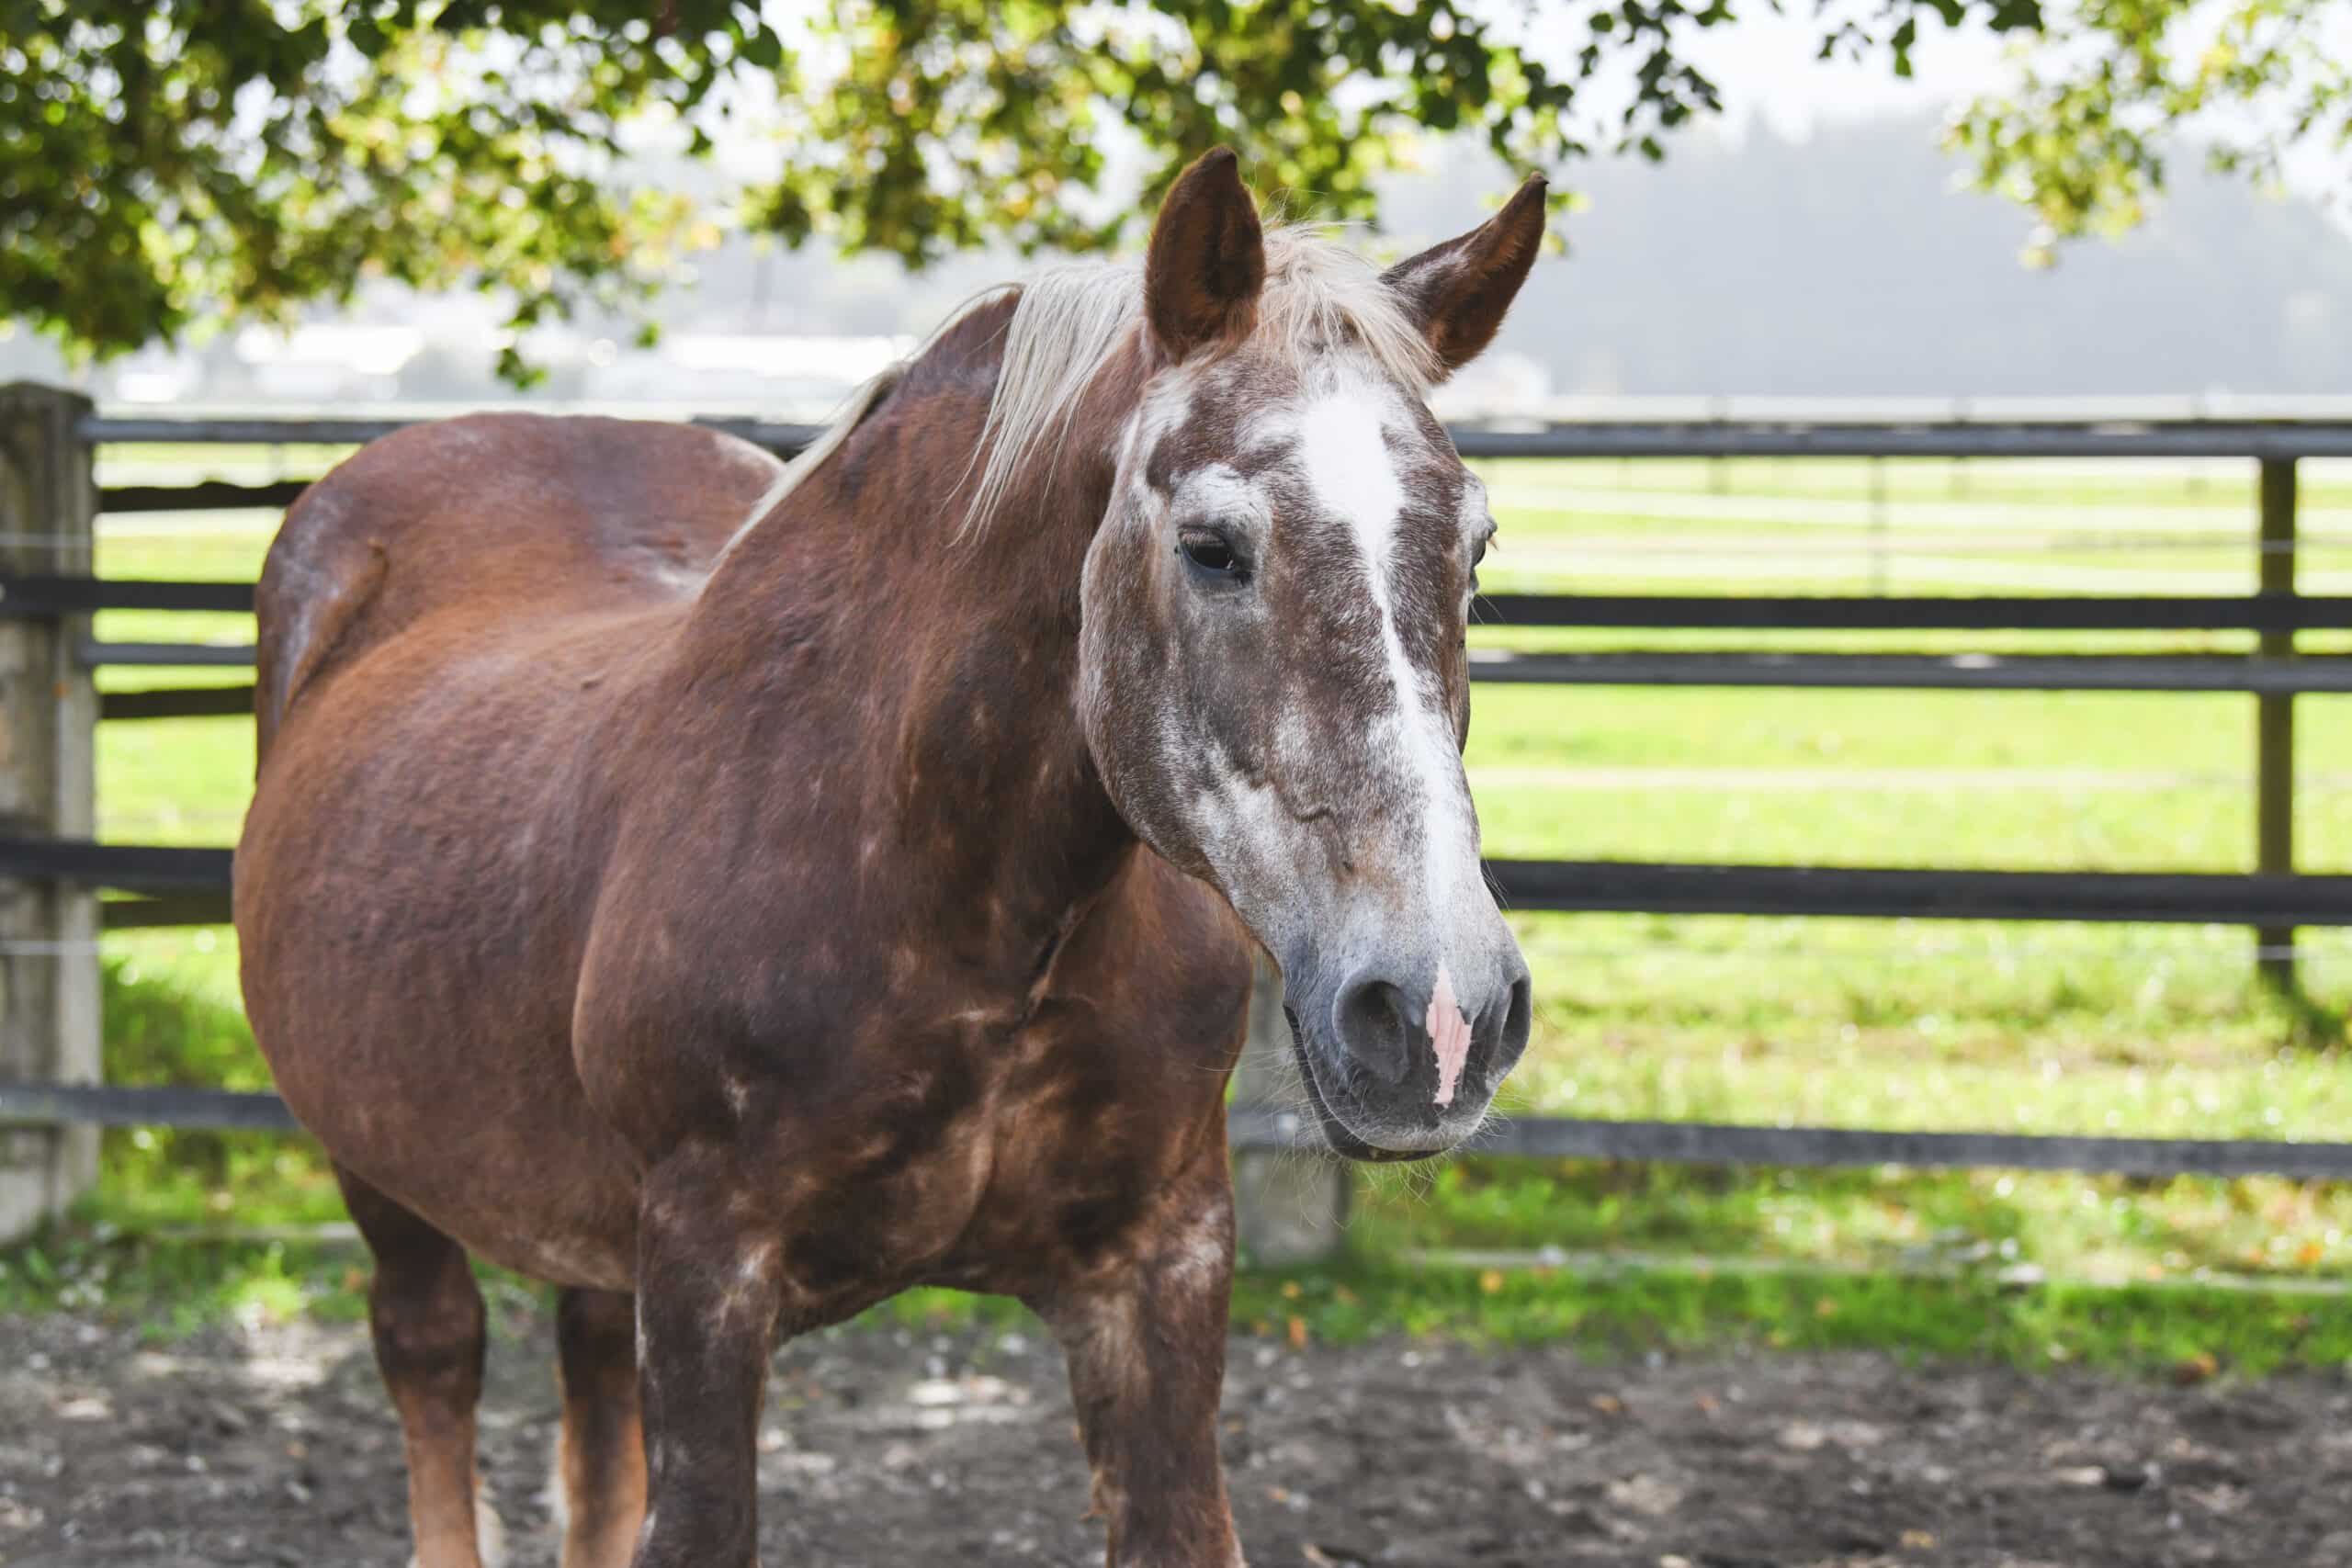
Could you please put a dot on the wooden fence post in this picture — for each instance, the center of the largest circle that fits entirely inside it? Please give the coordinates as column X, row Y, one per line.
column 49, row 710
column 2274, row 784
column 1290, row 1208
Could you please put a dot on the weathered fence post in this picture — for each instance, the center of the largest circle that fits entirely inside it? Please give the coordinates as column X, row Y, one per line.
column 49, row 710
column 2274, row 830
column 1292, row 1208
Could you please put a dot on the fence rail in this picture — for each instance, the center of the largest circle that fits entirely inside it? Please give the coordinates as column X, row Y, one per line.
column 1558, row 886
column 1733, row 437
column 36, row 596
column 1911, row 671
column 2282, row 611
column 176, row 887
column 1545, row 1137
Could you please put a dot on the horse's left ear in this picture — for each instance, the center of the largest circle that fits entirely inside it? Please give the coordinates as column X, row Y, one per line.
column 1458, row 291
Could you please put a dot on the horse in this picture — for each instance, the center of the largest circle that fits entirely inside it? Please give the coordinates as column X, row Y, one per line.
column 735, row 892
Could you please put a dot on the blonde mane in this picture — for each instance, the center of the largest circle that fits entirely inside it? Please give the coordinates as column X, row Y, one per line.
column 1070, row 321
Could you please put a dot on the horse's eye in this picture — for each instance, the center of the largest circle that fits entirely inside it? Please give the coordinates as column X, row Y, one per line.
column 1210, row 552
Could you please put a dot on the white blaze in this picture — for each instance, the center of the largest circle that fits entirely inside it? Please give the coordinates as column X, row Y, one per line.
column 1348, row 463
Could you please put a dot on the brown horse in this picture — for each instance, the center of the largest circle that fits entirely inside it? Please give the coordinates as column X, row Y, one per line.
column 737, row 892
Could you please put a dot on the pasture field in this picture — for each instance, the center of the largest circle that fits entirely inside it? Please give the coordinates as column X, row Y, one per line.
column 2142, row 1029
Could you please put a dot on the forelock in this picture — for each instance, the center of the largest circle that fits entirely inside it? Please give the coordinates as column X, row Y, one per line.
column 1320, row 298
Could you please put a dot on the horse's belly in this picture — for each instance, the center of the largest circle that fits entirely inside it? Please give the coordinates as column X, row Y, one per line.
column 547, row 1197
column 436, row 1066
column 486, row 1146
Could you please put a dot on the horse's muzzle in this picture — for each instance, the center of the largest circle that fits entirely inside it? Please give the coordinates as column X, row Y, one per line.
column 1402, row 1068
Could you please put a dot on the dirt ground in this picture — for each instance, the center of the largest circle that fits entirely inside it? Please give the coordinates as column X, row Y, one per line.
column 900, row 1448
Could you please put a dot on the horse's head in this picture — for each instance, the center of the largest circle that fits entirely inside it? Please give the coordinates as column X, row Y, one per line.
column 1274, row 684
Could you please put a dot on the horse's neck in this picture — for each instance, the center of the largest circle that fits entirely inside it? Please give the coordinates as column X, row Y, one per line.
column 944, row 667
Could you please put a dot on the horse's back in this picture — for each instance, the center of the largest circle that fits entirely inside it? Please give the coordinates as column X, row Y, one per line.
column 502, row 518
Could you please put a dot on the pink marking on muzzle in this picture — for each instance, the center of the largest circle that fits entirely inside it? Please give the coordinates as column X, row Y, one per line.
column 1449, row 1035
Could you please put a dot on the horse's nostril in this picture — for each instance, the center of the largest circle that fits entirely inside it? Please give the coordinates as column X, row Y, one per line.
column 1373, row 1020
column 1500, row 1034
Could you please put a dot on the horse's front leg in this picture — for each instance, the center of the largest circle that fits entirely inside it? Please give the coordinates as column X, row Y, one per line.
column 708, row 1284
column 1144, row 1329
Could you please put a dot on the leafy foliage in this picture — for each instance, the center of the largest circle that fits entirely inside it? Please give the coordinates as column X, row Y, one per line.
column 164, row 164
column 2082, row 140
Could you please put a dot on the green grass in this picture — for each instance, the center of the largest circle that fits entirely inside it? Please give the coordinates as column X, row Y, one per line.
column 2183, row 1332
column 2145, row 1030
column 2186, row 1331
column 172, row 1288
column 163, row 1031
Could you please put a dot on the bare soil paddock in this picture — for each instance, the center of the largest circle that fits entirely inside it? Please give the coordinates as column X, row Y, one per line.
column 900, row 1448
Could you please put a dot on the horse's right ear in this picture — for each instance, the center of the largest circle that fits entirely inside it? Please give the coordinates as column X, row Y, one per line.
column 1207, row 261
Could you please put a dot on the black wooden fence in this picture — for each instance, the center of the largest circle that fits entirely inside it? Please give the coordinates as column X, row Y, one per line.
column 182, row 886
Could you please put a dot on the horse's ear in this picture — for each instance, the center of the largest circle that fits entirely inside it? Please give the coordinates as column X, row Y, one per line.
column 1208, row 258
column 1458, row 291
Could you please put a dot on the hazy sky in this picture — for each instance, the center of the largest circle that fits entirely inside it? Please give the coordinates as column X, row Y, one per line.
column 1765, row 65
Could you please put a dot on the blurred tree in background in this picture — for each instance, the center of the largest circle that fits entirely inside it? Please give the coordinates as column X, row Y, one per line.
column 165, row 163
